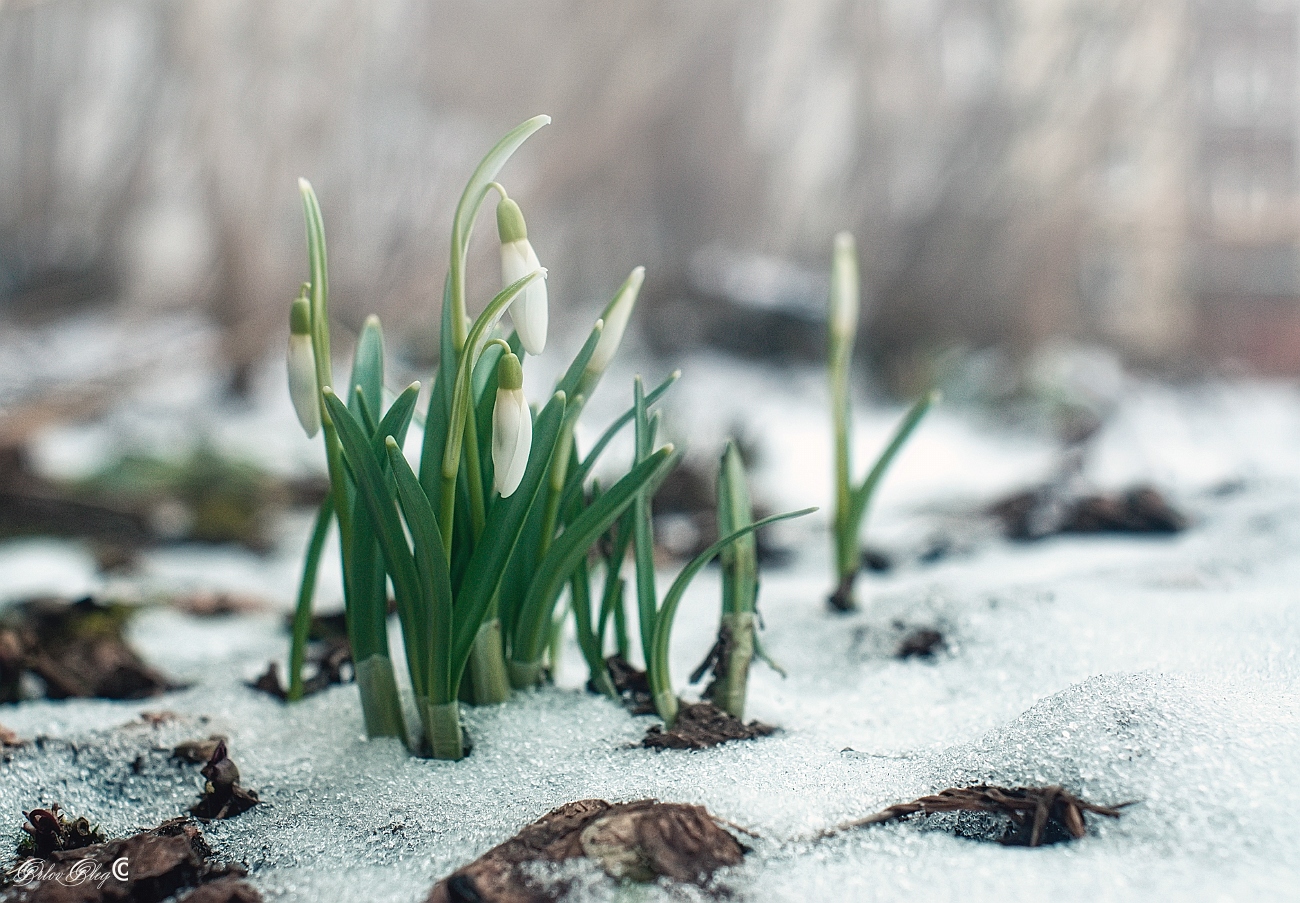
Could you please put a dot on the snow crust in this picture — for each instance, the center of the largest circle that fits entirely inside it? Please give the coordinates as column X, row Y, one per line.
column 1161, row 671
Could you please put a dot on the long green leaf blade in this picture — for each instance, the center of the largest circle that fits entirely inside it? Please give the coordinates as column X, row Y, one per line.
column 505, row 521
column 861, row 496
column 379, row 501
column 534, row 617
column 431, row 565
column 657, row 663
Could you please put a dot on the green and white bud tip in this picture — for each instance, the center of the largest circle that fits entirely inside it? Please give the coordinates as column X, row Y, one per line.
column 845, row 292
column 615, row 319
column 512, row 427
column 510, row 222
column 303, row 389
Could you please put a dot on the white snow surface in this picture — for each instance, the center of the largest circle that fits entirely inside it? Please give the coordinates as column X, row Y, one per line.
column 1161, row 671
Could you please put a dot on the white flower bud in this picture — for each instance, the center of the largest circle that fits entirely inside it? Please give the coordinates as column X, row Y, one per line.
column 844, row 289
column 616, row 316
column 302, row 367
column 512, row 427
column 528, row 311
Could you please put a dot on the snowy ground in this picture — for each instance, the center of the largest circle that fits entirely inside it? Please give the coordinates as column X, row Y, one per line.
column 1157, row 670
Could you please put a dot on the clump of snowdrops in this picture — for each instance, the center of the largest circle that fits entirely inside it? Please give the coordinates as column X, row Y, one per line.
column 479, row 538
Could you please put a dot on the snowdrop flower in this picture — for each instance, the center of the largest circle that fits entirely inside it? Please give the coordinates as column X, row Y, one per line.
column 518, row 259
column 302, row 366
column 512, row 427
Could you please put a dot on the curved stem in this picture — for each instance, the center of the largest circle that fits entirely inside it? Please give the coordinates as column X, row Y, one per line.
column 462, row 399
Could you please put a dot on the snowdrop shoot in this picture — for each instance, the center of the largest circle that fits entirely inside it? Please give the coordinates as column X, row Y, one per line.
column 518, row 259
column 302, row 365
column 852, row 501
column 614, row 323
column 512, row 427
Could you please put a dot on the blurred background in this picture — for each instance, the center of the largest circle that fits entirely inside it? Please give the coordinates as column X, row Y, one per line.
column 1079, row 218
column 1016, row 171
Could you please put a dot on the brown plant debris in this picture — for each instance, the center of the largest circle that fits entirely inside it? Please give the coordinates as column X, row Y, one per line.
column 632, row 685
column 638, row 841
column 703, row 725
column 328, row 659
column 1039, row 815
column 9, row 739
column 1050, row 510
column 222, row 797
column 73, row 649
column 196, row 751
column 923, row 642
column 151, row 866
column 48, row 830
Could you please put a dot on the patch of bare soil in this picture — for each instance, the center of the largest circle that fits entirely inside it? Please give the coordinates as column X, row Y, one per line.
column 702, row 725
column 1037, row 815
column 72, row 649
column 632, row 685
column 153, row 865
column 923, row 642
column 639, row 841
column 1050, row 510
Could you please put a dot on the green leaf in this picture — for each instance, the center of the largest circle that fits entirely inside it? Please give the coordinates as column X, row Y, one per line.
column 431, row 566
column 861, row 496
column 578, row 475
column 382, row 506
column 438, row 415
column 365, row 589
column 368, row 369
column 568, row 383
column 657, row 662
column 485, row 392
column 647, row 603
column 306, row 592
column 531, row 630
column 740, row 559
column 505, row 521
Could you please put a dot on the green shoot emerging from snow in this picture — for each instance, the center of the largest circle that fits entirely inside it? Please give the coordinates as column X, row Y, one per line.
column 480, row 539
column 851, row 502
column 656, row 618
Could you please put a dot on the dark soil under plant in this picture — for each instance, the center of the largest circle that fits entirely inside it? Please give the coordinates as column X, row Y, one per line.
column 1036, row 815
column 702, row 725
column 639, row 841
column 328, row 659
column 631, row 684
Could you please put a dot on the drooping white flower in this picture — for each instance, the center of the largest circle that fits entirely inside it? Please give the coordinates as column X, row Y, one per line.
column 303, row 389
column 512, row 427
column 518, row 259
